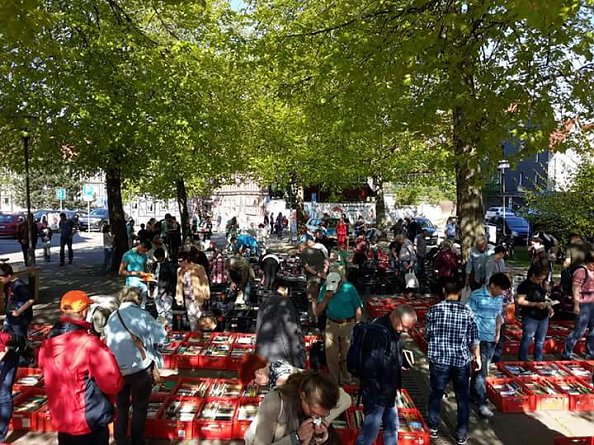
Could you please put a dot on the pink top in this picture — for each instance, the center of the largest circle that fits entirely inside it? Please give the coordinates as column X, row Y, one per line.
column 586, row 284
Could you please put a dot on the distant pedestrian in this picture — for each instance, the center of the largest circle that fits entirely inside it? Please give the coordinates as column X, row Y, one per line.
column 134, row 267
column 18, row 302
column 446, row 265
column 143, row 233
column 271, row 223
column 66, row 227
column 27, row 233
column 81, row 376
column 165, row 273
column 192, row 288
column 476, row 265
column 342, row 233
column 242, row 278
column 107, row 248
column 46, row 233
column 130, row 232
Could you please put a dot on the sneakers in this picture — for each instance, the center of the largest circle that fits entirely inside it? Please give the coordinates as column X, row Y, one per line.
column 462, row 440
column 485, row 411
column 434, row 433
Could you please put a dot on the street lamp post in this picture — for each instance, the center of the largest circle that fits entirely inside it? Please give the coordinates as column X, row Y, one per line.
column 30, row 249
column 503, row 164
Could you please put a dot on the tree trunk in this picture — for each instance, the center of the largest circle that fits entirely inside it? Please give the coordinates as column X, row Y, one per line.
column 380, row 203
column 113, row 183
column 182, row 202
column 468, row 185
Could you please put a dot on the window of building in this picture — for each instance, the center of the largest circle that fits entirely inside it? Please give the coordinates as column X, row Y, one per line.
column 6, row 201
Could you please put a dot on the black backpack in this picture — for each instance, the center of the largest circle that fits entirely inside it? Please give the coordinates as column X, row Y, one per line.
column 355, row 353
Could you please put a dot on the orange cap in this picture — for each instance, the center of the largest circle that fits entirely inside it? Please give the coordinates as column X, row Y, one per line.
column 75, row 301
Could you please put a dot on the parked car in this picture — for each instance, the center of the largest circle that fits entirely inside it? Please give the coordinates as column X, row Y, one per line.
column 96, row 219
column 314, row 224
column 492, row 212
column 431, row 232
column 8, row 224
column 516, row 226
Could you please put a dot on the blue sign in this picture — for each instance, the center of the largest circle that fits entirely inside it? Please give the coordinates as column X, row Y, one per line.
column 88, row 193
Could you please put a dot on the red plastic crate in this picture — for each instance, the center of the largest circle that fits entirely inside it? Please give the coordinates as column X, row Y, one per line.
column 242, row 419
column 215, row 356
column 33, row 373
column 574, row 441
column 346, row 435
column 164, row 427
column 412, row 429
column 27, row 419
column 551, row 369
column 167, row 386
column 177, row 336
column 225, row 388
column 237, row 353
column 210, row 426
column 577, row 401
column 192, row 387
column 517, row 369
column 544, row 401
column 198, row 338
column 582, row 369
column 151, row 425
column 244, row 340
column 188, row 356
column 519, row 402
column 168, row 353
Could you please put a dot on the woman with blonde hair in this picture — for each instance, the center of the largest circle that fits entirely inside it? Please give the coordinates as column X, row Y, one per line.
column 192, row 288
column 133, row 335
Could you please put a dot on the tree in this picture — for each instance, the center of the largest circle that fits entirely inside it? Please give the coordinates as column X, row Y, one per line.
column 466, row 75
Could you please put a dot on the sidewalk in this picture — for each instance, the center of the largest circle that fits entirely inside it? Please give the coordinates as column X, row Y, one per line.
column 503, row 429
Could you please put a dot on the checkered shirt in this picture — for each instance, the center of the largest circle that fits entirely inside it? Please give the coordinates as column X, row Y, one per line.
column 451, row 330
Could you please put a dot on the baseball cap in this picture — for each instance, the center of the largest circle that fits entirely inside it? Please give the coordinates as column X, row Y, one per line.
column 332, row 281
column 75, row 301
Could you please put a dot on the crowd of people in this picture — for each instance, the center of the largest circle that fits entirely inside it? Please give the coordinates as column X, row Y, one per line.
column 101, row 381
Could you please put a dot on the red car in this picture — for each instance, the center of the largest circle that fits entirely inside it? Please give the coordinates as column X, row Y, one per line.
column 8, row 224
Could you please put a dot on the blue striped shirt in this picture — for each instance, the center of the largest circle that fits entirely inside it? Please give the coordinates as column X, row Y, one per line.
column 486, row 308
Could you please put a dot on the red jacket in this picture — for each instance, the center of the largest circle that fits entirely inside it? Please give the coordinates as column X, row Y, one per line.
column 66, row 355
column 446, row 263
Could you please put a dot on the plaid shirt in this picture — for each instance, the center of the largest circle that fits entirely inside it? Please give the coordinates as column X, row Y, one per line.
column 451, row 330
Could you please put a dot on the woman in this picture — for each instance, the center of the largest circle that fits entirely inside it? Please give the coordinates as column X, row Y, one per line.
column 45, row 233
column 192, row 288
column 342, row 233
column 254, row 367
column 446, row 265
column 107, row 248
column 133, row 335
column 535, row 310
column 298, row 412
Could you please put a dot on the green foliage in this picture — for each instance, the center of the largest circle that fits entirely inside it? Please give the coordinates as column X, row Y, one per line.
column 564, row 212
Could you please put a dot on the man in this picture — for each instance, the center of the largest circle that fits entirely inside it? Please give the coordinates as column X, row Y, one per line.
column 18, row 302
column 279, row 335
column 270, row 266
column 496, row 264
column 420, row 244
column 143, row 234
column 165, row 273
column 382, row 363
column 452, row 335
column 81, row 376
column 583, row 306
column 477, row 261
column 242, row 277
column 66, row 227
column 487, row 305
column 133, row 267
column 25, row 226
column 340, row 301
column 315, row 266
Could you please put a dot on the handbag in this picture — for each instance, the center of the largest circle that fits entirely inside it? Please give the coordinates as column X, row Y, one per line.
column 141, row 348
column 411, row 280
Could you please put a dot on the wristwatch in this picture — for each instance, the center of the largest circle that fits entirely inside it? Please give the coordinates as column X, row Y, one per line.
column 295, row 440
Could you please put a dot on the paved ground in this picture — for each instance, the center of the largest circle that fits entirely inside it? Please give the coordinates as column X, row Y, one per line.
column 503, row 429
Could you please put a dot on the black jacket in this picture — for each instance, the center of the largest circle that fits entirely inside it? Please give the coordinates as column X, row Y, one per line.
column 382, row 365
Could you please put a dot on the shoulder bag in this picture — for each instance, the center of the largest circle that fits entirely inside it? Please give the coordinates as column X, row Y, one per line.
column 140, row 345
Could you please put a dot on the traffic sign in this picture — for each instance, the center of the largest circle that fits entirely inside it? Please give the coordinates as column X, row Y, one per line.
column 88, row 193
column 60, row 194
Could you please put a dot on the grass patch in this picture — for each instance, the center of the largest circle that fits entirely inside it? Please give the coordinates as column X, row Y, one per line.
column 520, row 259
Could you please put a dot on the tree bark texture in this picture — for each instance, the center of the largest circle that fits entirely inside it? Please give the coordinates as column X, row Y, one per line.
column 468, row 184
column 113, row 183
column 182, row 202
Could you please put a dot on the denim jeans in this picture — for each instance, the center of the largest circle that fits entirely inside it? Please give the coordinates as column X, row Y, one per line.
column 478, row 389
column 499, row 347
column 585, row 319
column 440, row 375
column 8, row 367
column 375, row 416
column 107, row 255
column 533, row 329
column 63, row 244
column 136, row 391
